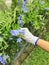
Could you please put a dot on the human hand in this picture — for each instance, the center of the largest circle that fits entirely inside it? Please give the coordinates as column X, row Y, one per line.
column 28, row 36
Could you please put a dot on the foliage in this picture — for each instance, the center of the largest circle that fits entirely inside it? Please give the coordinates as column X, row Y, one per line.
column 31, row 14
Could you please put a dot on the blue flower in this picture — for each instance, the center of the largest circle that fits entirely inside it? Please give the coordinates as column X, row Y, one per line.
column 21, row 32
column 19, row 40
column 17, row 32
column 3, row 59
column 24, row 7
column 21, row 23
column 20, row 20
column 20, row 17
column 24, row 10
column 14, row 32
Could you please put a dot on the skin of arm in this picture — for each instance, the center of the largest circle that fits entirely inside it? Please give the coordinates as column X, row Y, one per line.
column 29, row 37
column 43, row 44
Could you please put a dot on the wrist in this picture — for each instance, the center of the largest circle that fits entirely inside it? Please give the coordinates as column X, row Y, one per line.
column 35, row 40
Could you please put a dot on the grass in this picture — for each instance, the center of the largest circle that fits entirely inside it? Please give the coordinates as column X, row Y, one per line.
column 38, row 56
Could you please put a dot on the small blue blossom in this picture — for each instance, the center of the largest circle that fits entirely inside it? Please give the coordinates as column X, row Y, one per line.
column 3, row 59
column 14, row 32
column 21, row 32
column 19, row 40
column 24, row 7
column 24, row 10
column 21, row 23
column 20, row 17
column 17, row 32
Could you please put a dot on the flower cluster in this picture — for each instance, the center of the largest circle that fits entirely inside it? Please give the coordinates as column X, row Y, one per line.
column 24, row 6
column 21, row 15
column 16, row 33
column 3, row 59
column 20, row 20
column 19, row 40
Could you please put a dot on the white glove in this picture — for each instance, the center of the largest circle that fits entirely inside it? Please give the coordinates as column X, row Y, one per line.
column 29, row 37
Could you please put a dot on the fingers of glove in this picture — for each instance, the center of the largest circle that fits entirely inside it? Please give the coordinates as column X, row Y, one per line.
column 25, row 30
column 27, row 33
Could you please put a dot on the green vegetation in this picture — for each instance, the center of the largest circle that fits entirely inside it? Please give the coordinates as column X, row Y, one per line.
column 35, row 16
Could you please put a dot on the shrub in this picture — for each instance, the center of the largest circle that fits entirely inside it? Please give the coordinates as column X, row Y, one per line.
column 31, row 14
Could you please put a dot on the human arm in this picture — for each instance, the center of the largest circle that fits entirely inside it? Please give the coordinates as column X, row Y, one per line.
column 43, row 44
column 33, row 39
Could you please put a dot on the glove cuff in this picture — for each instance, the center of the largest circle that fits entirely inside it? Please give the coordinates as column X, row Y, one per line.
column 35, row 40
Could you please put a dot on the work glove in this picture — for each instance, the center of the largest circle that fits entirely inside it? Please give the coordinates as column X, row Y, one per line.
column 29, row 37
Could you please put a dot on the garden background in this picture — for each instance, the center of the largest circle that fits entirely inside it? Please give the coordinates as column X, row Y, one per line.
column 33, row 14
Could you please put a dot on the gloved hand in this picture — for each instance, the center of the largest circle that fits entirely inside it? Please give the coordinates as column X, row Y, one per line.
column 29, row 37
